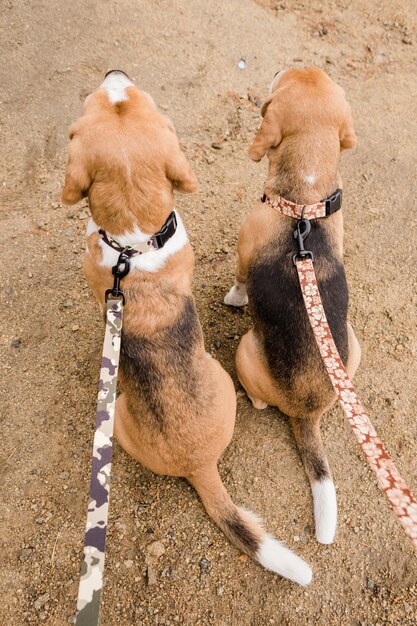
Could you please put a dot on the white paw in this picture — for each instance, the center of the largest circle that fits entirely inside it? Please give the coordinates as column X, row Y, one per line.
column 325, row 510
column 258, row 404
column 237, row 296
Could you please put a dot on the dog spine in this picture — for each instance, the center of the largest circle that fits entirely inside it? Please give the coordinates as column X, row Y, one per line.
column 244, row 529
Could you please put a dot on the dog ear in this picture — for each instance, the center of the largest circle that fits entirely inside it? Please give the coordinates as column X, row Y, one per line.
column 179, row 171
column 347, row 134
column 269, row 133
column 77, row 179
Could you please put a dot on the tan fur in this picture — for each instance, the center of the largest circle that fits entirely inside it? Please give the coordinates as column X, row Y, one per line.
column 136, row 164
column 127, row 159
column 289, row 125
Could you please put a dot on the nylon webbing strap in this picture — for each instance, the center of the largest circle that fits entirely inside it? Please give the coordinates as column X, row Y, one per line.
column 388, row 476
column 92, row 568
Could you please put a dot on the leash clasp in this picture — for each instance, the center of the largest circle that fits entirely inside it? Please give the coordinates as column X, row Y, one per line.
column 300, row 235
column 119, row 271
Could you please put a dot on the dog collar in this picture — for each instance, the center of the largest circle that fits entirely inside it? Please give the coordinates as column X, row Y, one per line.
column 306, row 211
column 155, row 242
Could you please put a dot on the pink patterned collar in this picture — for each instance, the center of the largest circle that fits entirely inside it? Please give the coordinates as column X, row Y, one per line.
column 305, row 211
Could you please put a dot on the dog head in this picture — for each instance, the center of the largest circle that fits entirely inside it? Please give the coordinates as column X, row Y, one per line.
column 303, row 101
column 123, row 153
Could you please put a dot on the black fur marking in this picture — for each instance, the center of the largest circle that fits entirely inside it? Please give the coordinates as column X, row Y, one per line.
column 318, row 466
column 151, row 364
column 278, row 309
column 311, row 401
column 237, row 528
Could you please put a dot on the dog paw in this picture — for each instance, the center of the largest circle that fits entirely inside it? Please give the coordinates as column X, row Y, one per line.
column 237, row 295
column 257, row 403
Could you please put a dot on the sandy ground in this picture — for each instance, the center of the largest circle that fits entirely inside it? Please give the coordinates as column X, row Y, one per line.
column 186, row 54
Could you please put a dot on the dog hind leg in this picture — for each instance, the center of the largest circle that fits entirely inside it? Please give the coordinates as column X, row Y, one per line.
column 310, row 445
column 244, row 529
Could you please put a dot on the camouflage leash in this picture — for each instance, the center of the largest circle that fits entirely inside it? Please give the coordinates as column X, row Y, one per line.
column 386, row 472
column 92, row 568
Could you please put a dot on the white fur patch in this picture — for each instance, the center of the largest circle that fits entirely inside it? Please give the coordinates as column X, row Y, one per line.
column 151, row 261
column 115, row 84
column 310, row 180
column 237, row 295
column 325, row 510
column 276, row 557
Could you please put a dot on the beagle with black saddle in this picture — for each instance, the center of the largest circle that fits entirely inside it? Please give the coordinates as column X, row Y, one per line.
column 177, row 411
column 306, row 123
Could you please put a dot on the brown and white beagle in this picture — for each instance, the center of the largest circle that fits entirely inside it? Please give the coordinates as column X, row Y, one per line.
column 306, row 123
column 177, row 411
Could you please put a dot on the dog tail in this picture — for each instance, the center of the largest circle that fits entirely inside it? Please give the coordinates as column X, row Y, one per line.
column 244, row 528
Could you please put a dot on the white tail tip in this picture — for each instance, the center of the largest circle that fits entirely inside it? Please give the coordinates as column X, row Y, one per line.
column 273, row 555
column 325, row 510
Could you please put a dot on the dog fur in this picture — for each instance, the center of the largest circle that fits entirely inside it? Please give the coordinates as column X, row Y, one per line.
column 177, row 411
column 306, row 123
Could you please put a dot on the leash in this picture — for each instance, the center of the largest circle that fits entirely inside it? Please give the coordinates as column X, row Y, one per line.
column 386, row 472
column 92, row 568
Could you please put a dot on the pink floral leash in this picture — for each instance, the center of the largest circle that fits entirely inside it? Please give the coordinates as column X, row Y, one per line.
column 388, row 476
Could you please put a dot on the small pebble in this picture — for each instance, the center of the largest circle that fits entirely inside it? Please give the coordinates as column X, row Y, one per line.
column 16, row 343
column 155, row 550
column 151, row 577
column 204, row 565
column 41, row 601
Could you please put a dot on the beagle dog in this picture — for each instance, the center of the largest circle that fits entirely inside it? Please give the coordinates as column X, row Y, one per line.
column 176, row 412
column 306, row 123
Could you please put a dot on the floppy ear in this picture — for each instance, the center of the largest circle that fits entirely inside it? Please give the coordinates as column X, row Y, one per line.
column 179, row 171
column 347, row 134
column 77, row 179
column 269, row 133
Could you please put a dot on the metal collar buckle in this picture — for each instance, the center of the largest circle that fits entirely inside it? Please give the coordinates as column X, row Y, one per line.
column 119, row 271
column 300, row 236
